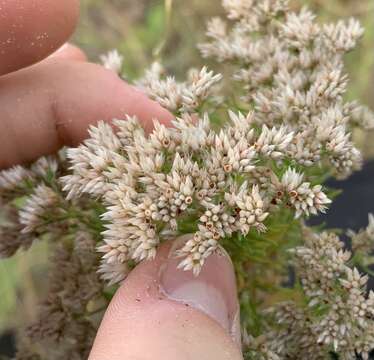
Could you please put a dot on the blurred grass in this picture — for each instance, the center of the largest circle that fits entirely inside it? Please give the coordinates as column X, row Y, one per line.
column 167, row 30
column 145, row 30
column 21, row 279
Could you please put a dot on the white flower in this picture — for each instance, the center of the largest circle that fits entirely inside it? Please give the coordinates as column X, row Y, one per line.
column 45, row 166
column 37, row 207
column 299, row 30
column 363, row 241
column 112, row 61
column 306, row 199
column 226, row 181
column 237, row 8
column 113, row 273
column 274, row 142
column 13, row 177
column 251, row 209
column 343, row 36
column 198, row 88
column 197, row 250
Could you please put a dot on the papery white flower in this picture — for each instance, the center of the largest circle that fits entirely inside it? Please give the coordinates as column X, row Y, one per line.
column 197, row 250
column 113, row 273
column 251, row 209
column 343, row 36
column 92, row 162
column 180, row 97
column 299, row 30
column 45, row 166
column 237, row 8
column 306, row 199
column 216, row 28
column 13, row 177
column 274, row 142
column 37, row 207
column 363, row 116
column 198, row 88
column 363, row 241
column 112, row 61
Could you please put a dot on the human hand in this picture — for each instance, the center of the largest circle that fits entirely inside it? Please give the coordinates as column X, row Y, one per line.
column 51, row 104
column 164, row 313
column 159, row 312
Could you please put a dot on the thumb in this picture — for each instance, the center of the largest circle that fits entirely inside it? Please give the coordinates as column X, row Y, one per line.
column 163, row 313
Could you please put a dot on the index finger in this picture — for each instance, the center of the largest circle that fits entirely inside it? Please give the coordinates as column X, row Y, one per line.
column 52, row 104
column 30, row 30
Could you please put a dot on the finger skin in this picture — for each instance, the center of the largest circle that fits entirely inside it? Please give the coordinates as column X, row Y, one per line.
column 30, row 30
column 52, row 104
column 69, row 52
column 142, row 324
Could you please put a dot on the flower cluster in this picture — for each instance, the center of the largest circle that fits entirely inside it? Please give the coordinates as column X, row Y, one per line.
column 338, row 316
column 304, row 198
column 24, row 222
column 12, row 178
column 33, row 208
column 363, row 242
column 31, row 215
column 296, row 119
column 150, row 184
column 113, row 60
column 292, row 72
column 67, row 320
column 179, row 97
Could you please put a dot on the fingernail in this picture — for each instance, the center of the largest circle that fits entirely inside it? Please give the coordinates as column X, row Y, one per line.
column 213, row 291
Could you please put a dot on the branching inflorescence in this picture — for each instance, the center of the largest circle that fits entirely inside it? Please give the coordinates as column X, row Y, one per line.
column 152, row 184
column 229, row 178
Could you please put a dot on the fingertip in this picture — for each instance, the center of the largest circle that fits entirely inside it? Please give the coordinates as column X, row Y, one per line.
column 153, row 326
column 66, row 97
column 142, row 104
column 30, row 30
column 102, row 96
column 162, row 330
